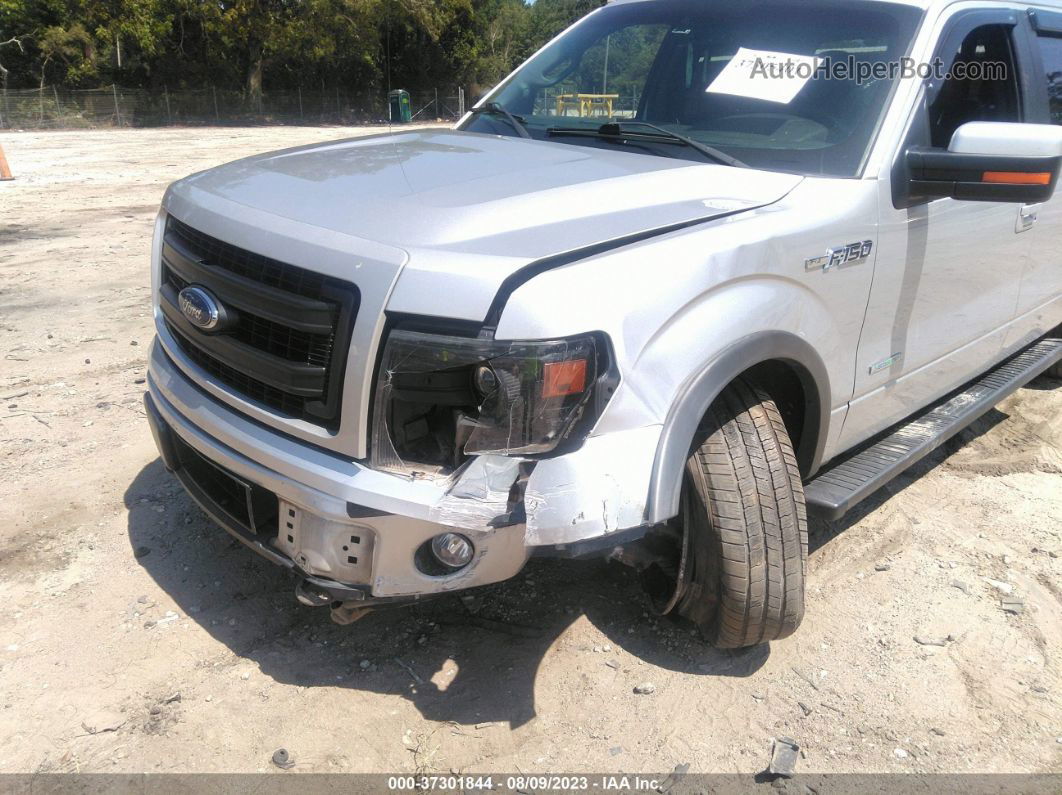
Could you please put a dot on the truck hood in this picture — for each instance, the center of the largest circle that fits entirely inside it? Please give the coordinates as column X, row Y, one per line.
column 459, row 205
column 483, row 193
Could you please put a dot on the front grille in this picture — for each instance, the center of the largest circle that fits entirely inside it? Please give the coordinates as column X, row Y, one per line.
column 286, row 345
column 277, row 339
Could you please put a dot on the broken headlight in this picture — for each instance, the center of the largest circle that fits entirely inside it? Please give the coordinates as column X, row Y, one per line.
column 440, row 399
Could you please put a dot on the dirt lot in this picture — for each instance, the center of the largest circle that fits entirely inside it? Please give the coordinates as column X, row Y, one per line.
column 135, row 636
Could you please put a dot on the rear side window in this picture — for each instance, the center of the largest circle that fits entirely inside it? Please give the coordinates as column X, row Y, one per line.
column 1051, row 50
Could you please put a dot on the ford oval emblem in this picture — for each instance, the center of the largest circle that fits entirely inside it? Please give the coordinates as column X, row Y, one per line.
column 200, row 307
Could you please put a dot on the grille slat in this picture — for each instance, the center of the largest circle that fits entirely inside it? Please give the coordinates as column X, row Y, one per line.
column 269, row 336
column 281, row 275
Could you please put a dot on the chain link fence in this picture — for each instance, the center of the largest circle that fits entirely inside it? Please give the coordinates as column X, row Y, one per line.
column 50, row 107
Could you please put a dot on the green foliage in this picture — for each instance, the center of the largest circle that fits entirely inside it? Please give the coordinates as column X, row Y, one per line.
column 255, row 45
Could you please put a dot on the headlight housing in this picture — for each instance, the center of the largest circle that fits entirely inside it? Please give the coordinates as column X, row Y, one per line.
column 441, row 398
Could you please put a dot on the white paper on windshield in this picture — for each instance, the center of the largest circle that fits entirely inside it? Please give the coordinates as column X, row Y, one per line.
column 762, row 74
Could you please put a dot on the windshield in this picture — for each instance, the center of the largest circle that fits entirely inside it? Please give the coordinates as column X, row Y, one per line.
column 758, row 81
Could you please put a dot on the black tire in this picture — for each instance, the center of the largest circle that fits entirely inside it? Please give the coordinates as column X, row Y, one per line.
column 745, row 524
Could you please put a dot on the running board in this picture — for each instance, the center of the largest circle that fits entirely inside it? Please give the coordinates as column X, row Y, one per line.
column 833, row 492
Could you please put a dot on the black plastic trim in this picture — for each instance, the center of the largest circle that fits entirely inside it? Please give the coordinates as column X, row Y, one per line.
column 1045, row 22
column 934, row 164
column 161, row 433
column 592, row 547
column 936, row 173
column 974, row 191
column 355, row 511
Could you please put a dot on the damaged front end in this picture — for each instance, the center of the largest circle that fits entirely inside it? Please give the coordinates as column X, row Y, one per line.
column 473, row 417
column 483, row 456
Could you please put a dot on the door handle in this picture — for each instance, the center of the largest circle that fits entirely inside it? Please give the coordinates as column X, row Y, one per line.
column 1027, row 215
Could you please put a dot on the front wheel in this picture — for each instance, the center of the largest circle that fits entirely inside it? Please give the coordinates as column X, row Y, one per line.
column 742, row 533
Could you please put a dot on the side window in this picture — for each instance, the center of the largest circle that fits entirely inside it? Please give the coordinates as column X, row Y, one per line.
column 981, row 84
column 1051, row 50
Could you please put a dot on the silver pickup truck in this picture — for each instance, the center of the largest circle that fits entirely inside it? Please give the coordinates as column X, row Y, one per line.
column 693, row 269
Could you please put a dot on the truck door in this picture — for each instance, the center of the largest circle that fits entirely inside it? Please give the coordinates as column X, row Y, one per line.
column 948, row 272
column 1040, row 297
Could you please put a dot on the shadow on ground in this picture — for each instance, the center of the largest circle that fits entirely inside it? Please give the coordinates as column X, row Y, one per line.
column 497, row 641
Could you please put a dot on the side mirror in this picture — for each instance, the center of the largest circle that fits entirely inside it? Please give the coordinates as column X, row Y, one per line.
column 989, row 162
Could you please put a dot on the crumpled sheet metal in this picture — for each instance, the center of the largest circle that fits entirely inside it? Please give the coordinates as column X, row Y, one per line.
column 600, row 488
column 478, row 494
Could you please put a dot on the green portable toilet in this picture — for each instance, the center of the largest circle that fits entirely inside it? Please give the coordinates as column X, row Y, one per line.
column 399, row 105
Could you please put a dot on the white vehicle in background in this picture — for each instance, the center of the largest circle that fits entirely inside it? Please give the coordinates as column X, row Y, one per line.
column 642, row 302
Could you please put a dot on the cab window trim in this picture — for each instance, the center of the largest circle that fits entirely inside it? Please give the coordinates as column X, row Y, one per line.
column 1045, row 22
column 1042, row 25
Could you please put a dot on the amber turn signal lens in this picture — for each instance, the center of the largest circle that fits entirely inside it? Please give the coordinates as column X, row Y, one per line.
column 1016, row 178
column 564, row 378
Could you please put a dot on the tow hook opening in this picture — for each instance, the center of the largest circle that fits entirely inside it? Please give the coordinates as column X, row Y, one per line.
column 311, row 595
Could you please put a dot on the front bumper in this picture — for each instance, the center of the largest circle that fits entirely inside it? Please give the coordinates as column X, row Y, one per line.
column 354, row 532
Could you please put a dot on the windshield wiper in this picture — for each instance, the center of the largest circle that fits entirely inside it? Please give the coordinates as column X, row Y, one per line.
column 615, row 130
column 495, row 108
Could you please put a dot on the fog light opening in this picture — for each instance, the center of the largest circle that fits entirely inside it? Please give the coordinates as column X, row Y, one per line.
column 444, row 554
column 452, row 550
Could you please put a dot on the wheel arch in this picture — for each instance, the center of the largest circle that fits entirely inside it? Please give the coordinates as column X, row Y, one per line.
column 752, row 355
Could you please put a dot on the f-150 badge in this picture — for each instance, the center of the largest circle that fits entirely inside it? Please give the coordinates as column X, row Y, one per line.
column 840, row 255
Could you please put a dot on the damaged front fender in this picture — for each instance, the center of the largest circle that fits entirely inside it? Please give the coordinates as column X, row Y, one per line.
column 595, row 491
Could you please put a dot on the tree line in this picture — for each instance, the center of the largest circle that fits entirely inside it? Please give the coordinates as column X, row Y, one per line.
column 258, row 45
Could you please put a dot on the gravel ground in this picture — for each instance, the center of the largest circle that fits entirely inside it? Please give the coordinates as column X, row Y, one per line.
column 135, row 636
